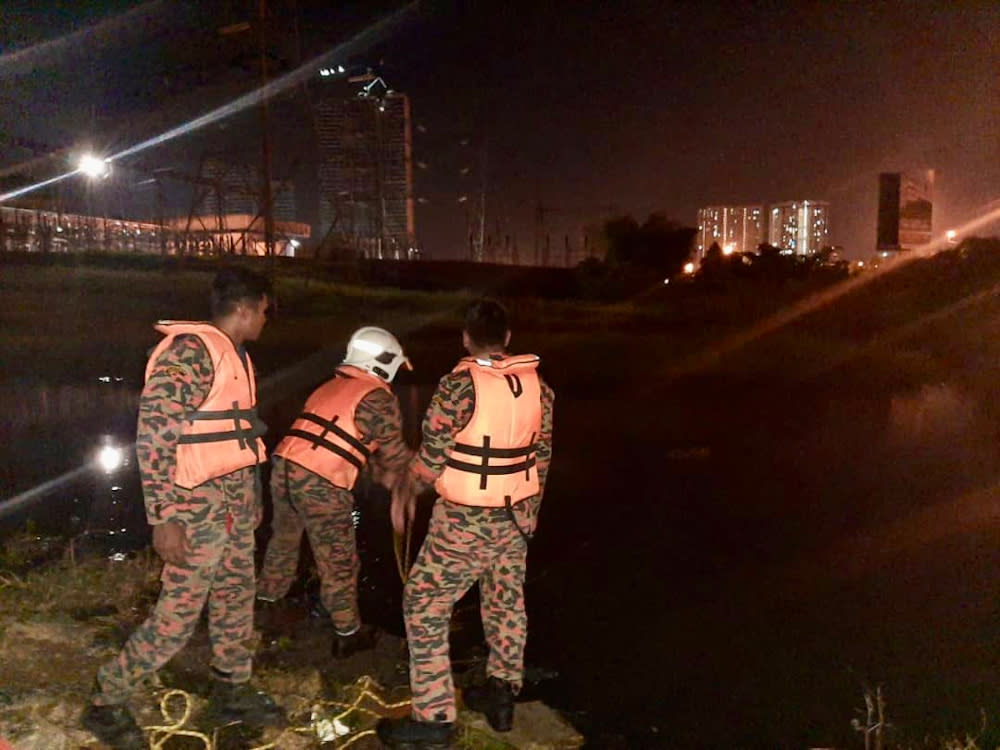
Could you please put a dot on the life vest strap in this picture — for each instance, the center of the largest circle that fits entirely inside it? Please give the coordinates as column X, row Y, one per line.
column 245, row 436
column 486, row 451
column 485, row 471
column 330, row 425
column 319, row 442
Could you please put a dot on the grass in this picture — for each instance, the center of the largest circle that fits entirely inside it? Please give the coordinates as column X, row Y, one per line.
column 63, row 323
column 68, row 586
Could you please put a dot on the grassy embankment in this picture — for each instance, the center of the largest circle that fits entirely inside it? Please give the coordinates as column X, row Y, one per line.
column 919, row 324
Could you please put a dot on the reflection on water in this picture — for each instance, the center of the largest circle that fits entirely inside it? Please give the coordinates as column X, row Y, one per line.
column 69, row 446
column 25, row 405
column 51, row 431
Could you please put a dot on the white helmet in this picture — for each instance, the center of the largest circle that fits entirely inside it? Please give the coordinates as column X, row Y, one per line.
column 377, row 351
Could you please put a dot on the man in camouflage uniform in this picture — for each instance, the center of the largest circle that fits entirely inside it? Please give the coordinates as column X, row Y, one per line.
column 475, row 533
column 202, row 528
column 315, row 468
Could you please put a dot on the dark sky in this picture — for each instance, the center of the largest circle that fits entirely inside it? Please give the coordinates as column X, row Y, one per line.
column 649, row 106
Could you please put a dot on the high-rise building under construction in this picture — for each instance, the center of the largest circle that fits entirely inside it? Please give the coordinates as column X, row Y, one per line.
column 365, row 171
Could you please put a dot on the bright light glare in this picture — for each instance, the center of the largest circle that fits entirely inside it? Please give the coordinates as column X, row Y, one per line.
column 689, row 268
column 951, row 234
column 294, row 243
column 110, row 458
column 367, row 347
column 93, row 166
column 728, row 249
column 666, row 281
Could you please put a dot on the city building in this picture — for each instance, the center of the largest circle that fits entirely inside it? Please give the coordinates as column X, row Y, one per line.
column 238, row 234
column 799, row 227
column 231, row 188
column 365, row 169
column 736, row 229
column 41, row 231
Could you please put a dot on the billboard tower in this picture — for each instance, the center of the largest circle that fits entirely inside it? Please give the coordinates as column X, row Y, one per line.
column 905, row 209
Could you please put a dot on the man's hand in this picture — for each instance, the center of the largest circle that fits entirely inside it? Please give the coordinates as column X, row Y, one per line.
column 390, row 478
column 170, row 542
column 404, row 504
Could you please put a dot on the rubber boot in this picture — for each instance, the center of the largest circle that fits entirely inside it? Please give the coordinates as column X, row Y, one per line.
column 362, row 639
column 239, row 701
column 114, row 726
column 495, row 699
column 410, row 734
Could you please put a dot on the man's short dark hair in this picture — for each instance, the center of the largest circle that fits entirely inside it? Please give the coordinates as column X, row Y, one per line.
column 486, row 323
column 232, row 286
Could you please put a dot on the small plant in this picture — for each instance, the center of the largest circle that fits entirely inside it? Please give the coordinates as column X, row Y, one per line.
column 874, row 723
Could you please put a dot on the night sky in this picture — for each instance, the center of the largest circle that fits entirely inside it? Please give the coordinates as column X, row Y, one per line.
column 647, row 106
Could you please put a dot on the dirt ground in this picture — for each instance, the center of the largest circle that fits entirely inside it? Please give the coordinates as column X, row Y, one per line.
column 48, row 660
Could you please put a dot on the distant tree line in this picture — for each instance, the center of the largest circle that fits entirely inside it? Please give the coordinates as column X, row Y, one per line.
column 770, row 263
column 635, row 256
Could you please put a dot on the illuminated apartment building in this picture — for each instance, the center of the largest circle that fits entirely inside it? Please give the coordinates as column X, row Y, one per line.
column 799, row 227
column 737, row 229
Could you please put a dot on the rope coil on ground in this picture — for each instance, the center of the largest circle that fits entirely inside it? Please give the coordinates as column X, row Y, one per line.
column 364, row 688
column 159, row 734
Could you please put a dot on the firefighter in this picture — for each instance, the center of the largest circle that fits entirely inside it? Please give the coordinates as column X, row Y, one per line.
column 199, row 448
column 351, row 419
column 487, row 444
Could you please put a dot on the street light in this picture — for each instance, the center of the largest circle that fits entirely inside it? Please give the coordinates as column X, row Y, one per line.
column 93, row 167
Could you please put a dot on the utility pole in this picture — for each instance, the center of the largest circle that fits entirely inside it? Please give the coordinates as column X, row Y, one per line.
column 267, row 208
column 161, row 216
column 481, row 241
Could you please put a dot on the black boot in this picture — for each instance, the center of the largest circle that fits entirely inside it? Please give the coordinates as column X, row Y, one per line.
column 362, row 639
column 410, row 734
column 114, row 726
column 239, row 701
column 495, row 699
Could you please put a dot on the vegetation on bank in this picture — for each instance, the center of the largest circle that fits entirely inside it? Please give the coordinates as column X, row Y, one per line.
column 59, row 619
column 64, row 610
column 905, row 327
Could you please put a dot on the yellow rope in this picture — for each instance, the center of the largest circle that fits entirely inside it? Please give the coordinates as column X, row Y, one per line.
column 365, row 687
column 401, row 548
column 173, row 727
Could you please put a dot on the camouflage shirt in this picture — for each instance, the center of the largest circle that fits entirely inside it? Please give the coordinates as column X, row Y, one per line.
column 380, row 420
column 449, row 412
column 178, row 383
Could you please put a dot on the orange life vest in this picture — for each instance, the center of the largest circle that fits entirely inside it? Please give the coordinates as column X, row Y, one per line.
column 224, row 433
column 324, row 438
column 493, row 459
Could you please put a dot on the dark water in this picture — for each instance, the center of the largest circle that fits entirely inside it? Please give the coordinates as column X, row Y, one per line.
column 714, row 567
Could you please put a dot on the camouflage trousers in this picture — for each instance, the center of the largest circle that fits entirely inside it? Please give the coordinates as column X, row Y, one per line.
column 464, row 545
column 304, row 501
column 219, row 570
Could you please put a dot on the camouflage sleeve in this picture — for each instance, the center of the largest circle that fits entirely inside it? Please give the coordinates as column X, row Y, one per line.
column 449, row 412
column 179, row 382
column 543, row 449
column 379, row 418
